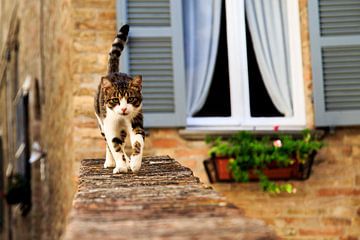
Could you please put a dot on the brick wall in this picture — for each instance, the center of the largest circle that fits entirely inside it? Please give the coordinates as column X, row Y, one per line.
column 57, row 130
column 94, row 28
column 326, row 206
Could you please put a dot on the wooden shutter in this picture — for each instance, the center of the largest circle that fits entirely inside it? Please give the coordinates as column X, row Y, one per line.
column 335, row 52
column 155, row 51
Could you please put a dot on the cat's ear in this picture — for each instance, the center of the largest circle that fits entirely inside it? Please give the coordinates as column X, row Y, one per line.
column 105, row 83
column 137, row 81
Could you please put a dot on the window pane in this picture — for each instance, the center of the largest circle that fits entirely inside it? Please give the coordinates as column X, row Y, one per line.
column 260, row 102
column 218, row 100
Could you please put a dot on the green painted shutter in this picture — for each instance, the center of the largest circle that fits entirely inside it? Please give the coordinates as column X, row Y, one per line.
column 335, row 52
column 155, row 51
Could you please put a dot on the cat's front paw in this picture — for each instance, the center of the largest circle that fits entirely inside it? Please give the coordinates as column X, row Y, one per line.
column 109, row 164
column 135, row 163
column 120, row 169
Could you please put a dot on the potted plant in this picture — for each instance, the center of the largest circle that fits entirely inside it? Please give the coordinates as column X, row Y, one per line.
column 246, row 157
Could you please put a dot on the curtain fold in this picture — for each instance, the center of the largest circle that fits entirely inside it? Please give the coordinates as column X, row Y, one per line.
column 268, row 28
column 201, row 38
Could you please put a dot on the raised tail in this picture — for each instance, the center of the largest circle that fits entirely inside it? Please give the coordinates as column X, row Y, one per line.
column 116, row 49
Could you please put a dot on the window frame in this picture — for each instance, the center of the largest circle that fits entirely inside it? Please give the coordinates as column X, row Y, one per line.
column 240, row 116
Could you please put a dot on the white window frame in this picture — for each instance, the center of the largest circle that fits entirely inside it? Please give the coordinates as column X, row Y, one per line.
column 240, row 118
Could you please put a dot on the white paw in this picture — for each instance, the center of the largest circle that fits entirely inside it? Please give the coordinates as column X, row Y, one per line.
column 135, row 163
column 109, row 164
column 121, row 169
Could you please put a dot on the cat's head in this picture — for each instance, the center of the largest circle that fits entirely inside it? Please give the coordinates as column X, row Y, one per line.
column 122, row 93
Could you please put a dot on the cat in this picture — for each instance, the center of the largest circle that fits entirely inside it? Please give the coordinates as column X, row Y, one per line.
column 118, row 108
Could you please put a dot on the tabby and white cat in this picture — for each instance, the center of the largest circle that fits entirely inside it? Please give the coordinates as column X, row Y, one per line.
column 118, row 108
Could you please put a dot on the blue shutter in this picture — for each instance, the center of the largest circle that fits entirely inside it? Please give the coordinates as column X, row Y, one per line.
column 155, row 51
column 335, row 52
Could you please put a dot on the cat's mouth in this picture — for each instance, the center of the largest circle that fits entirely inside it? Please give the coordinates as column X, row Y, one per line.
column 124, row 114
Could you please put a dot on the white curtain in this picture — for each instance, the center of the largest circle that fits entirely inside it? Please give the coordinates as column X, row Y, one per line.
column 268, row 28
column 201, row 32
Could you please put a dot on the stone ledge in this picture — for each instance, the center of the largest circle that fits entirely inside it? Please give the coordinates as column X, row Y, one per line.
column 163, row 201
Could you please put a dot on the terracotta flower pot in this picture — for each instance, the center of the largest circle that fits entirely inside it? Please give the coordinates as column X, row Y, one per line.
column 294, row 171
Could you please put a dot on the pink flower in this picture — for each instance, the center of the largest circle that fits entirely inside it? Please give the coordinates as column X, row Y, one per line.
column 276, row 128
column 277, row 143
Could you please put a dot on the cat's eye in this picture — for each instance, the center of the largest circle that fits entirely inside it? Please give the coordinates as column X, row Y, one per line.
column 131, row 99
column 114, row 100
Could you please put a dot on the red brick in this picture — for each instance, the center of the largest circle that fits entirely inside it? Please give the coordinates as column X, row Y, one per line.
column 347, row 150
column 357, row 180
column 93, row 4
column 191, row 152
column 331, row 192
column 331, row 231
column 107, row 15
column 349, row 238
column 163, row 133
column 189, row 163
column 336, row 221
column 165, row 143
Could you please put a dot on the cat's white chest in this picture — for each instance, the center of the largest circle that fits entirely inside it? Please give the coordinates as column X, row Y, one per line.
column 115, row 121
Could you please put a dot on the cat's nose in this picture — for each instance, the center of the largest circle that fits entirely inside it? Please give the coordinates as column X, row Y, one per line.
column 123, row 110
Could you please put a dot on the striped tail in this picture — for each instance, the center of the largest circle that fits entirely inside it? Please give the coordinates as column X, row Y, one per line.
column 116, row 49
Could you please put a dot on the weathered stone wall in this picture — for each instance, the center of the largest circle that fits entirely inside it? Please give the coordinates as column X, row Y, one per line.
column 57, row 128
column 44, row 53
column 162, row 201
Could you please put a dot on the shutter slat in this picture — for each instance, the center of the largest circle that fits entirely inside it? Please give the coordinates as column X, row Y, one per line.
column 155, row 61
column 343, row 59
column 344, row 70
column 157, row 90
column 343, row 99
column 157, row 84
column 342, row 81
column 342, row 87
column 348, row 65
column 348, row 24
column 340, row 19
column 151, row 68
column 349, row 8
column 343, row 106
column 337, row 2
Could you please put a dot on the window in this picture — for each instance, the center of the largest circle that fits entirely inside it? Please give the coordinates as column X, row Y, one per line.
column 250, row 104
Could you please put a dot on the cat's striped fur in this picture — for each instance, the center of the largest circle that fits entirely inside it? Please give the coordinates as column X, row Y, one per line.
column 118, row 108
